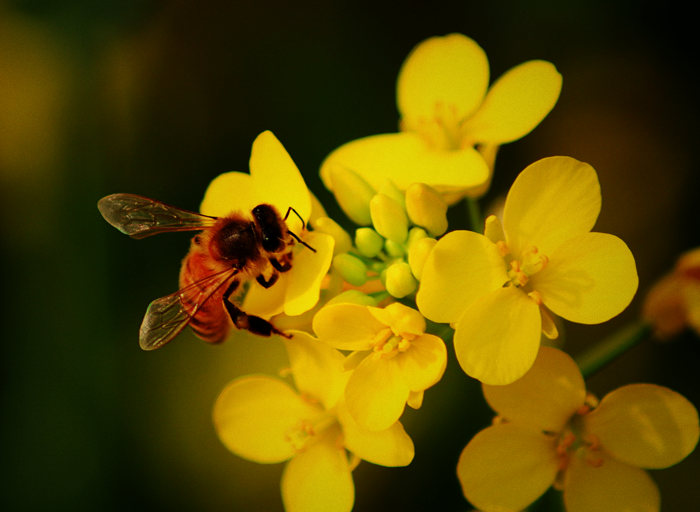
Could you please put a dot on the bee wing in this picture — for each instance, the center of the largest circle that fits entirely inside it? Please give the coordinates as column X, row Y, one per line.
column 168, row 316
column 139, row 216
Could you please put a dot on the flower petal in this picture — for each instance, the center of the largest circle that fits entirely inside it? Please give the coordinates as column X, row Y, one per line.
column 319, row 478
column 278, row 179
column 424, row 362
column 254, row 414
column 405, row 158
column 611, row 487
column 402, row 319
column 309, row 270
column 317, row 368
column 645, row 425
column 546, row 397
column 497, row 337
column 506, row 467
column 515, row 104
column 347, row 326
column 391, row 447
column 376, row 393
column 462, row 267
column 589, row 279
column 228, row 192
column 451, row 71
column 551, row 201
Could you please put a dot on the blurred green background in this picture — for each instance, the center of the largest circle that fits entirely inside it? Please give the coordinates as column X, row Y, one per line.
column 157, row 98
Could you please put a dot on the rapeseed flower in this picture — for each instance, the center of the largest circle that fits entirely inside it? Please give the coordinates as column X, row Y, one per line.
column 275, row 179
column 263, row 419
column 674, row 302
column 446, row 108
column 393, row 361
column 497, row 289
column 549, row 432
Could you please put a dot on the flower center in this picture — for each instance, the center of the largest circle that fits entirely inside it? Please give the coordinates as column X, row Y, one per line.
column 521, row 269
column 387, row 344
column 307, row 431
column 442, row 131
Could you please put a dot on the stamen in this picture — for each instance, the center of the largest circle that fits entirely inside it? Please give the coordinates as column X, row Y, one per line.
column 536, row 296
column 502, row 248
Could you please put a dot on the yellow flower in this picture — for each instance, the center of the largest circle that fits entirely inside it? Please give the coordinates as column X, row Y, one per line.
column 445, row 111
column 494, row 288
column 394, row 360
column 274, row 179
column 674, row 302
column 547, row 434
column 263, row 419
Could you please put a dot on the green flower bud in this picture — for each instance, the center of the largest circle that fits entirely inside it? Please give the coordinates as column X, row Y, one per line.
column 394, row 250
column 399, row 280
column 353, row 194
column 426, row 208
column 418, row 255
column 352, row 269
column 414, row 235
column 389, row 218
column 368, row 242
column 343, row 242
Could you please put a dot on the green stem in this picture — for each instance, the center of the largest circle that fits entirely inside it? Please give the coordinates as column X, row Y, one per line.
column 605, row 352
column 475, row 215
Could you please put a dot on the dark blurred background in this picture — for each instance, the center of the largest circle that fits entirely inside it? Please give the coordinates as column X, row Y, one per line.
column 157, row 98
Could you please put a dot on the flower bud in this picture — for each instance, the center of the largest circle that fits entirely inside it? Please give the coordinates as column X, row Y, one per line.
column 390, row 189
column 399, row 280
column 343, row 242
column 418, row 255
column 389, row 218
column 368, row 242
column 414, row 235
column 353, row 194
column 426, row 208
column 352, row 269
column 394, row 250
column 353, row 297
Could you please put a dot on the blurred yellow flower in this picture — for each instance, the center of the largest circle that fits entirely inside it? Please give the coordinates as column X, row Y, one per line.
column 496, row 289
column 674, row 302
column 274, row 179
column 446, row 109
column 263, row 419
column 394, row 361
column 547, row 434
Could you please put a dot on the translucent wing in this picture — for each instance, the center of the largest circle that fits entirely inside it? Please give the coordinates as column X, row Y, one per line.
column 139, row 216
column 168, row 316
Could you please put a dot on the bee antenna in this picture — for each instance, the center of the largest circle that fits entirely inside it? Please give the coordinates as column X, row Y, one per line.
column 300, row 240
column 303, row 224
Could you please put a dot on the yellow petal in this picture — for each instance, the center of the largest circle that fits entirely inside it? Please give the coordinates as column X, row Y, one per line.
column 391, row 447
column 611, row 487
column 347, row 326
column 404, row 158
column 497, row 337
column 402, row 319
column 319, row 478
column 317, row 368
column 517, row 102
column 462, row 267
column 550, row 202
column 254, row 414
column 307, row 273
column 451, row 71
column 507, row 467
column 546, row 397
column 278, row 179
column 228, row 192
column 645, row 425
column 589, row 279
column 376, row 393
column 424, row 362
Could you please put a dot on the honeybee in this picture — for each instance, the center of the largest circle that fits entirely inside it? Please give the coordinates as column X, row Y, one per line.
column 229, row 251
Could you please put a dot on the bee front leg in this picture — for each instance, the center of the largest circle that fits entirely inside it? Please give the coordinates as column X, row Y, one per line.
column 266, row 283
column 285, row 266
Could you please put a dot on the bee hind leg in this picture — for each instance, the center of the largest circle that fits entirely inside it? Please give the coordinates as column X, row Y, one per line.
column 254, row 324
